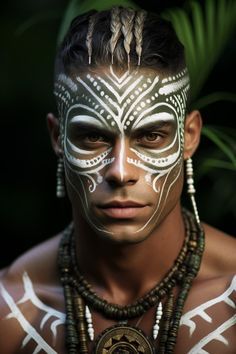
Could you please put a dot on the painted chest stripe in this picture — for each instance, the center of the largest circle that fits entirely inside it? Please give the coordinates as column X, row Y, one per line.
column 186, row 319
column 30, row 330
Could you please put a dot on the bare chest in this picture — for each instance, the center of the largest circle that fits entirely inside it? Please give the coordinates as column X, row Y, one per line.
column 209, row 327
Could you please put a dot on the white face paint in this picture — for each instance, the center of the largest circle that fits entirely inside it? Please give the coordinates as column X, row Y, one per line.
column 117, row 108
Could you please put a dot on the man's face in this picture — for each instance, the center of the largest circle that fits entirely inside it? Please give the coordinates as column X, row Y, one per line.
column 122, row 138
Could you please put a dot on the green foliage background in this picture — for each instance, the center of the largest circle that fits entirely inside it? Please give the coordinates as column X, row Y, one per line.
column 29, row 31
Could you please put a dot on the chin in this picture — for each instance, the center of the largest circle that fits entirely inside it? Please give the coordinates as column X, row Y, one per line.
column 123, row 234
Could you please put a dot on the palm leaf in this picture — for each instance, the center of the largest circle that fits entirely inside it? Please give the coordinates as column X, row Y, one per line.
column 208, row 33
column 223, row 142
column 34, row 20
column 78, row 7
column 184, row 31
column 212, row 98
column 210, row 163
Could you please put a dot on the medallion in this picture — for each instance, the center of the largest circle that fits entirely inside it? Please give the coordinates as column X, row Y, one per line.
column 123, row 339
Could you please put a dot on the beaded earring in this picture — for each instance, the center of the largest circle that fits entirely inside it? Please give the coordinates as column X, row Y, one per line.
column 60, row 191
column 191, row 189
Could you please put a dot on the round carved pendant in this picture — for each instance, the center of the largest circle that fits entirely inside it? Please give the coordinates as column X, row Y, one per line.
column 123, row 339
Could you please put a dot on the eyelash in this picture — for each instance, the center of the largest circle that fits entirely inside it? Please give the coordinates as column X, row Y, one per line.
column 101, row 140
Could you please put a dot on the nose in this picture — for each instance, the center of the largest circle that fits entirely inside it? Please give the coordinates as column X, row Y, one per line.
column 120, row 172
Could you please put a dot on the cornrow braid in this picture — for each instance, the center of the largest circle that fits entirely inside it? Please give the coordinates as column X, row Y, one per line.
column 89, row 37
column 138, row 32
column 127, row 16
column 115, row 29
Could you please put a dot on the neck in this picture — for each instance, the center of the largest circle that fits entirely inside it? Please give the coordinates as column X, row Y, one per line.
column 121, row 273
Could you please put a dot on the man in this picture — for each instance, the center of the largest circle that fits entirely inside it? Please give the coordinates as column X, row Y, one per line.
column 130, row 274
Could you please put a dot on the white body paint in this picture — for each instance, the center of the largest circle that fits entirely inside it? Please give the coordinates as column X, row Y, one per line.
column 187, row 319
column 122, row 104
column 31, row 332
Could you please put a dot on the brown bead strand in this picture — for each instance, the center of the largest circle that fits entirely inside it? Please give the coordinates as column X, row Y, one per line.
column 167, row 314
column 183, row 272
column 140, row 306
column 192, row 270
column 80, row 316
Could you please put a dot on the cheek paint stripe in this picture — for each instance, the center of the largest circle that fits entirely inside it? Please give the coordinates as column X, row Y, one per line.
column 139, row 164
column 160, row 199
column 82, row 202
column 159, row 162
column 104, row 163
column 87, row 163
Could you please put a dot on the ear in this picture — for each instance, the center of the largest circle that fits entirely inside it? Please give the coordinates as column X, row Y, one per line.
column 54, row 132
column 192, row 133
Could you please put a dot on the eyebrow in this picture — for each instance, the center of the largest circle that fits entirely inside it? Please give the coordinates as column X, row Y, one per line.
column 88, row 120
column 91, row 127
column 156, row 120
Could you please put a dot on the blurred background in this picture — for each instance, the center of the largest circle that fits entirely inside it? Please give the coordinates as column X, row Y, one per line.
column 29, row 209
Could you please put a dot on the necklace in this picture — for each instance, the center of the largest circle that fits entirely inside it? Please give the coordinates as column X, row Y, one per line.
column 124, row 338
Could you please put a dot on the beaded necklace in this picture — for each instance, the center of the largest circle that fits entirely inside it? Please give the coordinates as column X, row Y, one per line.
column 78, row 294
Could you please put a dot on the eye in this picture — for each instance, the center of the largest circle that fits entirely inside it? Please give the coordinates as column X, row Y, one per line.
column 149, row 137
column 152, row 136
column 93, row 138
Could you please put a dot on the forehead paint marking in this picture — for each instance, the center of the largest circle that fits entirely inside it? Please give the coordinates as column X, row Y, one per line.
column 120, row 98
column 82, row 117
column 150, row 109
column 140, row 97
column 118, row 80
column 173, row 87
column 103, row 104
column 86, row 119
column 154, row 118
column 68, row 82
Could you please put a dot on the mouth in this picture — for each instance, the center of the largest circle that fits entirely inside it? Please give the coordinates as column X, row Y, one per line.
column 122, row 209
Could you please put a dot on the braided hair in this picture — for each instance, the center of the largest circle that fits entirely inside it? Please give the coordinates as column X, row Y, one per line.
column 121, row 37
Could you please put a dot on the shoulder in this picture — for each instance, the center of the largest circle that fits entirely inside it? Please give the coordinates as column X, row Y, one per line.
column 30, row 295
column 219, row 256
column 208, row 323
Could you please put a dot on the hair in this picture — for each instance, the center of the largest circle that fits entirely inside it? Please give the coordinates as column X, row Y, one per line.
column 121, row 37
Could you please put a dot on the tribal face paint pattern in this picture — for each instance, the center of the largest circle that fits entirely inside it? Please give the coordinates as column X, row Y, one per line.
column 121, row 106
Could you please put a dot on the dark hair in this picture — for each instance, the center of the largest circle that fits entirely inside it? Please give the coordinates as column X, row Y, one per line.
column 94, row 31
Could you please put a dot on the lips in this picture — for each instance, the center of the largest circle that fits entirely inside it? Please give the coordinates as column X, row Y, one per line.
column 122, row 209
